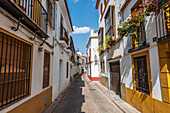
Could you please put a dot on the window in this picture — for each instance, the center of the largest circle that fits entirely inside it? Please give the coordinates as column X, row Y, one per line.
column 51, row 13
column 67, row 70
column 46, row 69
column 141, row 34
column 90, row 54
column 141, row 74
column 100, row 34
column 102, row 66
column 109, row 22
column 15, row 68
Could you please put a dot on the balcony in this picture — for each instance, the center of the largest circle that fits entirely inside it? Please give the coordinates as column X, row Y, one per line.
column 139, row 39
column 164, row 33
column 63, row 37
column 33, row 14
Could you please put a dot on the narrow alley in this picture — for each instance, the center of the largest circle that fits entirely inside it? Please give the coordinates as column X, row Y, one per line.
column 84, row 56
column 85, row 97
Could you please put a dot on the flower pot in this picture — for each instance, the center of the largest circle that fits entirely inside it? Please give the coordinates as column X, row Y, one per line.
column 140, row 44
column 131, row 29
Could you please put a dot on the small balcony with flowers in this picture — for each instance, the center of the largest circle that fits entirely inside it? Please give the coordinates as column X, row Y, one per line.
column 164, row 21
column 64, row 38
column 134, row 27
column 70, row 48
column 31, row 13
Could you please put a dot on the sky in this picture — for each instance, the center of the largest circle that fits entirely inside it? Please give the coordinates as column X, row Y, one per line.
column 84, row 18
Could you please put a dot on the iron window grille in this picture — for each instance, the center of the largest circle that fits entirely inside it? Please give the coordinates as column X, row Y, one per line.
column 46, row 69
column 164, row 24
column 100, row 36
column 109, row 22
column 15, row 70
column 141, row 74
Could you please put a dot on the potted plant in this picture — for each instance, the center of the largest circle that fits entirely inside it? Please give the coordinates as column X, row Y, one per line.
column 100, row 49
column 107, row 41
column 131, row 29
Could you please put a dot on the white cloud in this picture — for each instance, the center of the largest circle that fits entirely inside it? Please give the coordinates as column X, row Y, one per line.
column 81, row 30
column 76, row 0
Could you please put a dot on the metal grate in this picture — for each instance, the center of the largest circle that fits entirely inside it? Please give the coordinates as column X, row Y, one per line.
column 15, row 65
column 141, row 74
column 100, row 36
column 109, row 22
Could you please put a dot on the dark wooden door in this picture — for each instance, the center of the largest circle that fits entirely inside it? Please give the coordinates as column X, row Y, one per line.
column 115, row 77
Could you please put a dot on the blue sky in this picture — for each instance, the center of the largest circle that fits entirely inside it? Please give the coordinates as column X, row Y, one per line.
column 84, row 17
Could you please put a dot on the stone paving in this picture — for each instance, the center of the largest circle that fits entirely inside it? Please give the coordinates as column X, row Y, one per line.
column 85, row 97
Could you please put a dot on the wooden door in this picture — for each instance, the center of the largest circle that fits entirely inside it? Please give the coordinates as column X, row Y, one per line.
column 115, row 77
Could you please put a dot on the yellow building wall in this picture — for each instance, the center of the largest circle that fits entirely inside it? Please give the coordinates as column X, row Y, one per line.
column 146, row 103
column 36, row 104
column 164, row 60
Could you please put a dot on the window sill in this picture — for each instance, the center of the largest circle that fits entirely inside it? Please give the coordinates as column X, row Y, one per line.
column 139, row 48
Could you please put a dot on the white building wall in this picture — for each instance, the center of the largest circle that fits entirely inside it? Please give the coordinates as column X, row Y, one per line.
column 122, row 47
column 126, row 62
column 94, row 51
column 37, row 56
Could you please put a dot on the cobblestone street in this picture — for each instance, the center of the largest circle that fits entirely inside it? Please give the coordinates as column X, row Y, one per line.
column 85, row 97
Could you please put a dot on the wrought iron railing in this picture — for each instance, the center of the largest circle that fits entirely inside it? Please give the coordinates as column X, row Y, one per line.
column 64, row 35
column 35, row 10
column 164, row 24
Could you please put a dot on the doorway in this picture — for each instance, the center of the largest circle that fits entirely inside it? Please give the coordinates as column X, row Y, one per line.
column 61, row 75
column 115, row 77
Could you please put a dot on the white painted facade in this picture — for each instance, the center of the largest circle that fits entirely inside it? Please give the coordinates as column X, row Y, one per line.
column 59, row 55
column 125, row 43
column 92, row 56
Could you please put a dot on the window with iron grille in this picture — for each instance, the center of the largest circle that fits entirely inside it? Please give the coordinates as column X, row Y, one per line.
column 100, row 34
column 141, row 74
column 102, row 66
column 51, row 13
column 15, row 68
column 46, row 69
column 109, row 22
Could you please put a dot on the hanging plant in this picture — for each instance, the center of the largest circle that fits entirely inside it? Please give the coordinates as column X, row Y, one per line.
column 107, row 41
column 100, row 49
